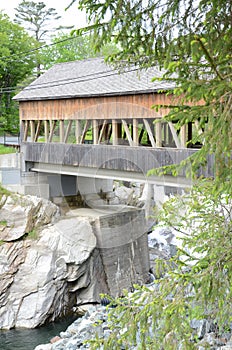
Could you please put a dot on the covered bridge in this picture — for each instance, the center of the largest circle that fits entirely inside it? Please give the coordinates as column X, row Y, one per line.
column 90, row 101
column 76, row 105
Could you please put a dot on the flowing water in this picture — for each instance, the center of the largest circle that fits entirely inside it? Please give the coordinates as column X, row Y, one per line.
column 28, row 339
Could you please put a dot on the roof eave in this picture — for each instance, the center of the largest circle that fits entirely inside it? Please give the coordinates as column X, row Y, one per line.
column 110, row 94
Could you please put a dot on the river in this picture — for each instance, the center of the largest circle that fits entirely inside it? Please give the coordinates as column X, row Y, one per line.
column 28, row 339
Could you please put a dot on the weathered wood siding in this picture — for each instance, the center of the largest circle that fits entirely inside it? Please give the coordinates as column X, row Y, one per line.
column 107, row 107
column 135, row 159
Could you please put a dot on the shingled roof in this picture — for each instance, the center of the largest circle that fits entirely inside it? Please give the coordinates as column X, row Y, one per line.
column 91, row 77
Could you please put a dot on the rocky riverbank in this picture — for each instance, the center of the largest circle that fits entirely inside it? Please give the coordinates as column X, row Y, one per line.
column 162, row 244
column 95, row 322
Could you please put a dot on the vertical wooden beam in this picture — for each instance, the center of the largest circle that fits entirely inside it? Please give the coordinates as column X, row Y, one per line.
column 61, row 124
column 109, row 130
column 150, row 133
column 183, row 136
column 32, row 127
column 135, row 132
column 68, row 129
column 158, row 133
column 46, row 130
column 22, row 130
column 95, row 131
column 78, row 131
column 115, row 131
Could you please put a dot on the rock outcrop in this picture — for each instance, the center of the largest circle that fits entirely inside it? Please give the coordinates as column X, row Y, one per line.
column 40, row 274
column 50, row 263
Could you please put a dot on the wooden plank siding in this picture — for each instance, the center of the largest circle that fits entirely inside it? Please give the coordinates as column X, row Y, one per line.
column 120, row 158
column 102, row 107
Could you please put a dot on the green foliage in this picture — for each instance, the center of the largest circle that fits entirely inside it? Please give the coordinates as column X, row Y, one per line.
column 35, row 17
column 32, row 235
column 191, row 40
column 70, row 47
column 14, row 68
column 3, row 223
column 194, row 285
column 3, row 192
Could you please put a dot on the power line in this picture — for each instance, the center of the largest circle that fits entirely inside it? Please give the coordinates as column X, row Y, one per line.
column 83, row 78
column 80, row 79
column 23, row 53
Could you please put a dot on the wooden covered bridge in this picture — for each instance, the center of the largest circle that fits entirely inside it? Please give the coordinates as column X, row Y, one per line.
column 87, row 118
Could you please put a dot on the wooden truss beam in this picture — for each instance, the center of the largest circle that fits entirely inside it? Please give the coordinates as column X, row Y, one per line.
column 127, row 131
column 150, row 133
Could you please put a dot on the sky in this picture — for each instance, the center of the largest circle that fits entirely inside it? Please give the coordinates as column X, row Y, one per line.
column 72, row 16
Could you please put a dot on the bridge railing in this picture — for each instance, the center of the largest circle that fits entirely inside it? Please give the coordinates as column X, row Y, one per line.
column 10, row 140
column 122, row 158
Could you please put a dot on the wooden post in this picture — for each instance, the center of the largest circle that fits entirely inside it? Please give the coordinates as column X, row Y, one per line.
column 183, row 136
column 22, row 130
column 95, row 131
column 115, row 131
column 135, row 132
column 109, row 128
column 61, row 130
column 78, row 131
column 158, row 134
column 32, row 126
column 46, row 130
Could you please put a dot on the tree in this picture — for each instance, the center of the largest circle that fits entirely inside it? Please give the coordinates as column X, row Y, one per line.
column 192, row 41
column 68, row 47
column 15, row 66
column 194, row 285
column 36, row 18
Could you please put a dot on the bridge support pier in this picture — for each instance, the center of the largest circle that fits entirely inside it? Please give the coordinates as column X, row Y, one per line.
column 94, row 191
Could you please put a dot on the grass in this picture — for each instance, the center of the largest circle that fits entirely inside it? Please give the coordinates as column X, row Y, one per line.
column 32, row 234
column 3, row 192
column 3, row 223
column 6, row 150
